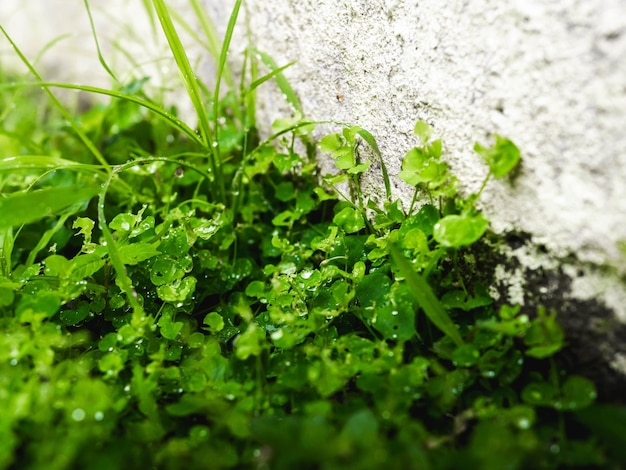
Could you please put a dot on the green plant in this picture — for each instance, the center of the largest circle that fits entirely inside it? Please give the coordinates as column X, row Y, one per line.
column 217, row 306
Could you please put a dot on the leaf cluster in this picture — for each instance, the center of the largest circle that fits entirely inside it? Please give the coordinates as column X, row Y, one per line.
column 210, row 300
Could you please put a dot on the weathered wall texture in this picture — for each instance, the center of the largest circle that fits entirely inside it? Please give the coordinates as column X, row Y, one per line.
column 550, row 75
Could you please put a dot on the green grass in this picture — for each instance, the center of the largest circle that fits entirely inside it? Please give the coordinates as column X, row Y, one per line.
column 173, row 296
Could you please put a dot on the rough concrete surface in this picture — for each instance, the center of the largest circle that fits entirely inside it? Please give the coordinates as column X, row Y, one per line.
column 550, row 75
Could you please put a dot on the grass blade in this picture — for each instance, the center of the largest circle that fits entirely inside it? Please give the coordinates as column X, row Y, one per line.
column 255, row 84
column 221, row 67
column 41, row 162
column 282, row 82
column 22, row 208
column 193, row 90
column 371, row 141
column 95, row 38
column 6, row 251
column 425, row 297
column 171, row 119
column 64, row 112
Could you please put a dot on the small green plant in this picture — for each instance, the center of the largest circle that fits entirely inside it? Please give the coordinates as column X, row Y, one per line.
column 171, row 297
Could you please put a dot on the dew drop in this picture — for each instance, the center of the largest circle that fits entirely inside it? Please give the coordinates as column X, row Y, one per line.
column 98, row 416
column 78, row 414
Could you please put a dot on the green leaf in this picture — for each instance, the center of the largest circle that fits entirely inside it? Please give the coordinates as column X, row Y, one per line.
column 460, row 230
column 423, row 131
column 137, row 252
column 576, row 393
column 124, row 222
column 7, row 291
column 350, row 220
column 285, row 191
column 83, row 266
column 214, row 322
column 250, row 342
column 465, row 355
column 501, row 158
column 545, row 336
column 22, row 208
column 169, row 329
column 178, row 291
column 372, row 291
column 539, row 393
column 74, row 316
column 425, row 297
column 331, row 143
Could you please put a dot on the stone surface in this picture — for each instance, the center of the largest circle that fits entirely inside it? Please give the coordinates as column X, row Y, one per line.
column 551, row 76
column 548, row 75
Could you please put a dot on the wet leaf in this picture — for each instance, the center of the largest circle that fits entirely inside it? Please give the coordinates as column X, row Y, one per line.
column 460, row 230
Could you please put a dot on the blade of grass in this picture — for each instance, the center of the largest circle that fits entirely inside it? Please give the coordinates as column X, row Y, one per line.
column 46, row 237
column 171, row 119
column 122, row 280
column 95, row 38
column 249, row 99
column 62, row 109
column 282, row 82
column 221, row 68
column 6, row 251
column 193, row 90
column 255, row 84
column 213, row 42
column 42, row 162
column 25, row 207
column 371, row 141
column 426, row 298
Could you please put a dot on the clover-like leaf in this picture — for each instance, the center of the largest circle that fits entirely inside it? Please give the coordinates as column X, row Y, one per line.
column 350, row 220
column 501, row 158
column 460, row 230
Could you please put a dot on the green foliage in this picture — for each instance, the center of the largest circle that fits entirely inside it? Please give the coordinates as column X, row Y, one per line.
column 149, row 317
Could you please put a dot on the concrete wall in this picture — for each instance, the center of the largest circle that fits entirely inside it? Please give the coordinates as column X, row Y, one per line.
column 550, row 75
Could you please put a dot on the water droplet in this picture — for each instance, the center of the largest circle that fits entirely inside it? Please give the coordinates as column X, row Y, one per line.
column 523, row 423
column 78, row 414
column 14, row 362
column 98, row 416
column 394, row 312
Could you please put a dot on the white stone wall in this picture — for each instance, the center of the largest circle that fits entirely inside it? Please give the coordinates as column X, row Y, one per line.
column 550, row 75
